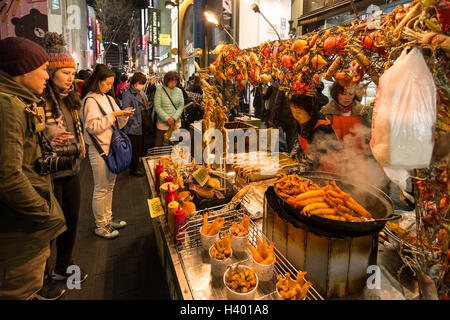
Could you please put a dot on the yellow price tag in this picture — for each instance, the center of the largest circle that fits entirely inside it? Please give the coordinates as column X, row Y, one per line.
column 201, row 176
column 155, row 207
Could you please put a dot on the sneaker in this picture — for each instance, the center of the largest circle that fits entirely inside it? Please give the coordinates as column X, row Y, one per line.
column 51, row 290
column 61, row 274
column 107, row 232
column 118, row 224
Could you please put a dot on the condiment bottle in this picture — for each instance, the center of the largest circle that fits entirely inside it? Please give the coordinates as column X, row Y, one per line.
column 171, row 207
column 179, row 222
column 170, row 196
column 168, row 178
column 159, row 169
column 162, row 178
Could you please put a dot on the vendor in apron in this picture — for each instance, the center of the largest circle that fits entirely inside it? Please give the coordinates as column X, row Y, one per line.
column 350, row 122
column 317, row 141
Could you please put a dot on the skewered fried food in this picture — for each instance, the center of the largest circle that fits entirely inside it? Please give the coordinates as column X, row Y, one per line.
column 213, row 228
column 189, row 208
column 203, row 192
column 214, row 183
column 184, row 196
column 263, row 253
column 222, row 248
column 292, row 290
column 240, row 281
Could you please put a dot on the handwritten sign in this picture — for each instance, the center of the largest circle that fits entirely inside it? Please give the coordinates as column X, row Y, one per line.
column 155, row 207
column 201, row 176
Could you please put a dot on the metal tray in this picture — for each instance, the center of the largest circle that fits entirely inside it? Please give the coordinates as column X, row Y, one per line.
column 196, row 265
column 408, row 222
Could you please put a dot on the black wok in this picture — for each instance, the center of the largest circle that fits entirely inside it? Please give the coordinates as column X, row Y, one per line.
column 371, row 198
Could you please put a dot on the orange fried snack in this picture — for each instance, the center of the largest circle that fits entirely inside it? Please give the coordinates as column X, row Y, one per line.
column 292, row 290
column 240, row 281
column 213, row 228
column 222, row 248
column 329, row 202
column 240, row 230
column 263, row 253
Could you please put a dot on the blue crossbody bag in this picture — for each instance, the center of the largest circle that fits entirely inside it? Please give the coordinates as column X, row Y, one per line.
column 119, row 157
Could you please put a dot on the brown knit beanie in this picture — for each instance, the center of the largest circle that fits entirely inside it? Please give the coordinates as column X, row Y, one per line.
column 58, row 55
column 19, row 56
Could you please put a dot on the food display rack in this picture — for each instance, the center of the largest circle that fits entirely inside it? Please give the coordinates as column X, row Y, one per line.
column 195, row 260
column 186, row 279
column 188, row 271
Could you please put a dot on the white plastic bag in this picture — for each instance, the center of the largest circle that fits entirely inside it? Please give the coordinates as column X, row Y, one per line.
column 405, row 114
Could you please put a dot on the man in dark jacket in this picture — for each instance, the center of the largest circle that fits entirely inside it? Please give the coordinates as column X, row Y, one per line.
column 31, row 217
column 281, row 116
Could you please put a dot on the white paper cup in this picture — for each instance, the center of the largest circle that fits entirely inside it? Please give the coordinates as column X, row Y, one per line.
column 278, row 295
column 207, row 241
column 218, row 267
column 238, row 244
column 264, row 271
column 233, row 295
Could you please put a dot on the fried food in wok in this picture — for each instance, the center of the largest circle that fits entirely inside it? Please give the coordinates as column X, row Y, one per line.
column 329, row 202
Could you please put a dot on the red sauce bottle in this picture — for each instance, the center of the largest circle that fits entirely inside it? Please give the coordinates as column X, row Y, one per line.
column 179, row 222
column 168, row 178
column 159, row 169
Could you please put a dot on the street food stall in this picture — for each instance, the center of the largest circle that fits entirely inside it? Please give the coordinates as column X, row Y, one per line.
column 336, row 262
column 293, row 234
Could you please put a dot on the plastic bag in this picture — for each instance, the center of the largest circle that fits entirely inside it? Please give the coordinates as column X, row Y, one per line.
column 405, row 114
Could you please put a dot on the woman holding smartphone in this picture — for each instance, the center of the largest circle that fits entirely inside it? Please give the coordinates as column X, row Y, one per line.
column 135, row 98
column 100, row 126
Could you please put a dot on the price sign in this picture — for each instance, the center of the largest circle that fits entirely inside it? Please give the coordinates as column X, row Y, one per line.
column 201, row 176
column 155, row 207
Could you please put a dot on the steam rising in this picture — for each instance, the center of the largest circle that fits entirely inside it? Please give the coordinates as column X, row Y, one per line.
column 355, row 162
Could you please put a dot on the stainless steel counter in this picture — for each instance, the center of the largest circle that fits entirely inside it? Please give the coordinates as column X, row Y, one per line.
column 189, row 277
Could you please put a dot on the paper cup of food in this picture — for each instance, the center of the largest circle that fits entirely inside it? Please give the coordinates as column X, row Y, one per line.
column 238, row 288
column 240, row 234
column 264, row 271
column 219, row 266
column 207, row 241
column 238, row 244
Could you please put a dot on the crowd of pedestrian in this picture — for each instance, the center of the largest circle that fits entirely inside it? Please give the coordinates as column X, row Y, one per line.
column 51, row 117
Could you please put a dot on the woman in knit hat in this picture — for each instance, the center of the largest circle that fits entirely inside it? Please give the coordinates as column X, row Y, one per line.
column 64, row 131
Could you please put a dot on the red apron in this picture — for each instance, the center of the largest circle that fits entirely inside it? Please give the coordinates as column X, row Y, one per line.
column 337, row 163
column 343, row 125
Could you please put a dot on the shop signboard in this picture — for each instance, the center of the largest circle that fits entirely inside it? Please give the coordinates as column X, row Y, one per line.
column 98, row 37
column 155, row 26
column 165, row 40
column 199, row 23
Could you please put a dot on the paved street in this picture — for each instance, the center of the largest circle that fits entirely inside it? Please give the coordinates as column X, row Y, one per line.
column 124, row 268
